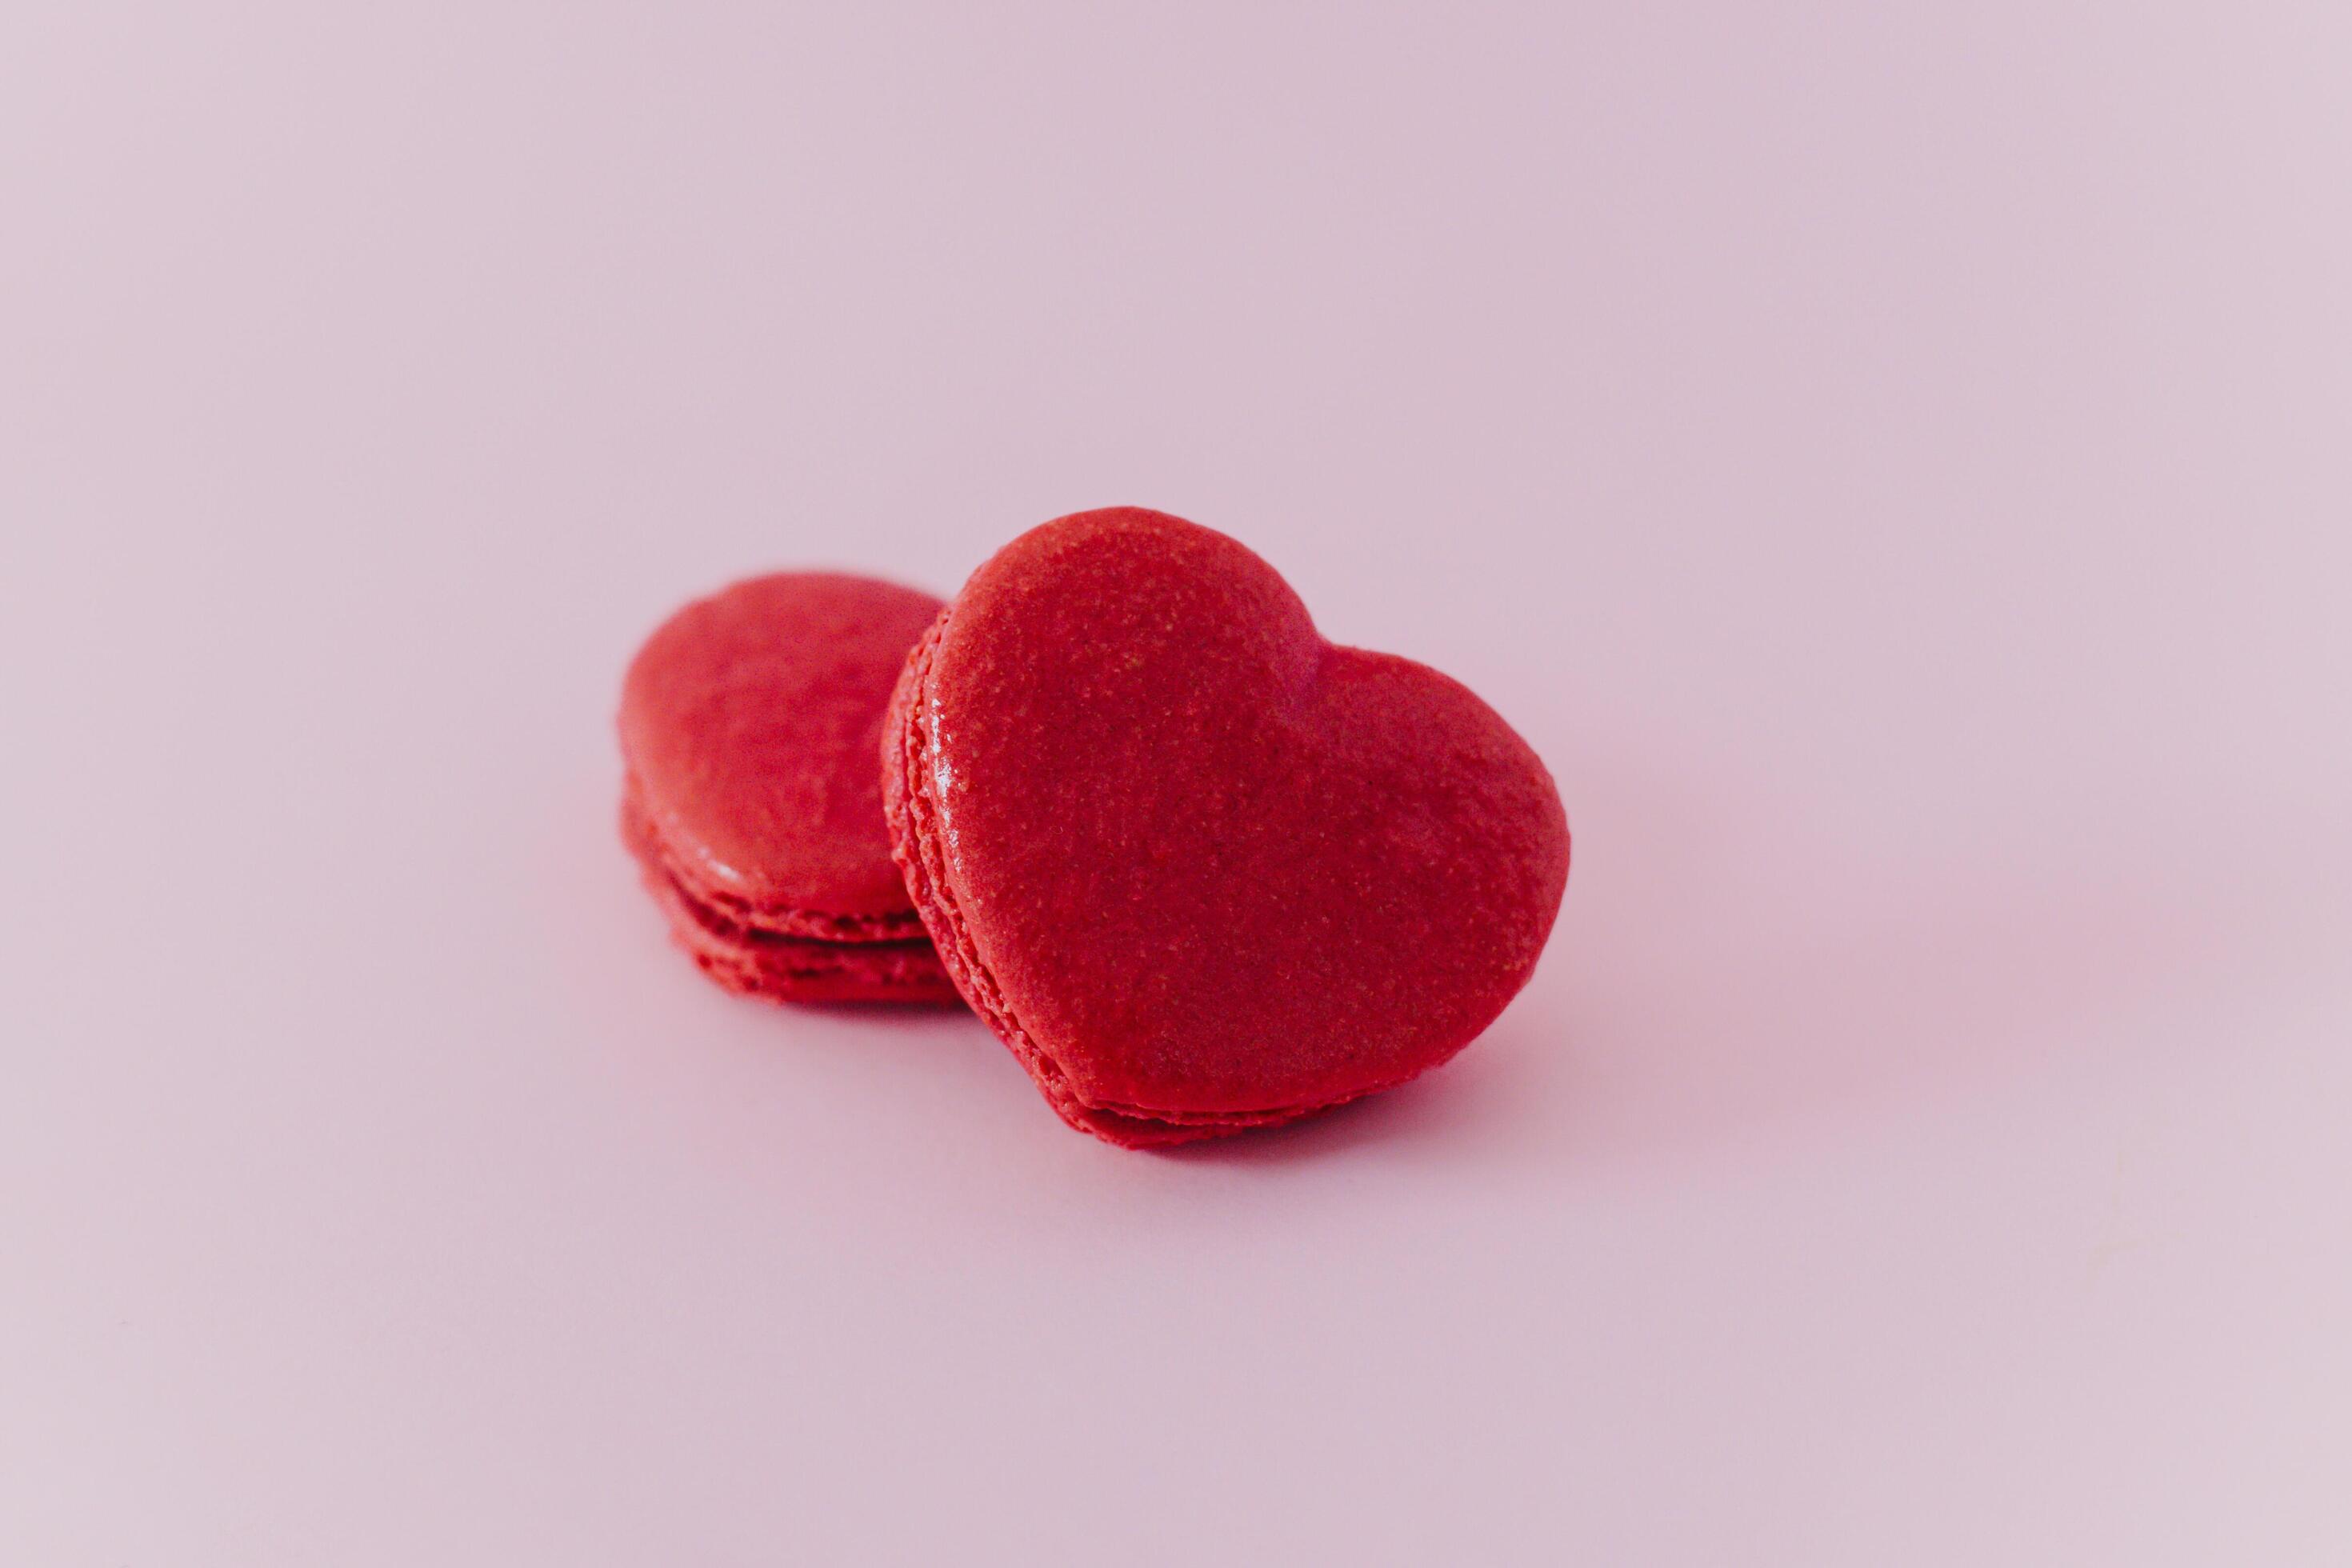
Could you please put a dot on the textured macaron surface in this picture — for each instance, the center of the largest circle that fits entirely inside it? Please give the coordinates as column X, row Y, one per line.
column 749, row 722
column 1200, row 868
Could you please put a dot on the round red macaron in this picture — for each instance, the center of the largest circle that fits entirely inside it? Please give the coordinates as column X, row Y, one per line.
column 749, row 723
column 1200, row 869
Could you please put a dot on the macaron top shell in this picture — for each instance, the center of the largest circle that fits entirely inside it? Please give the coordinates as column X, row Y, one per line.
column 1210, row 863
column 749, row 722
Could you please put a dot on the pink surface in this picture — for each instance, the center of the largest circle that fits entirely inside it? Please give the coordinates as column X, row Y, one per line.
column 1890, row 462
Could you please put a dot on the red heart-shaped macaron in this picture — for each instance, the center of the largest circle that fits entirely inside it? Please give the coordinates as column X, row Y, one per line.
column 1201, row 870
column 749, row 723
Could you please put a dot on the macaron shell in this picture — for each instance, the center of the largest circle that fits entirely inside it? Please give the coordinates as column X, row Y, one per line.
column 749, row 722
column 689, row 872
column 1199, row 868
column 783, row 968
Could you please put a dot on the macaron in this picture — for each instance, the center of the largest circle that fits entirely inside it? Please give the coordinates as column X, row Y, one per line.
column 1199, row 869
column 749, row 726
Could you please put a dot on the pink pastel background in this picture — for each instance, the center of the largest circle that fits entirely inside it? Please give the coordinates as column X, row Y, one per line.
column 1894, row 462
